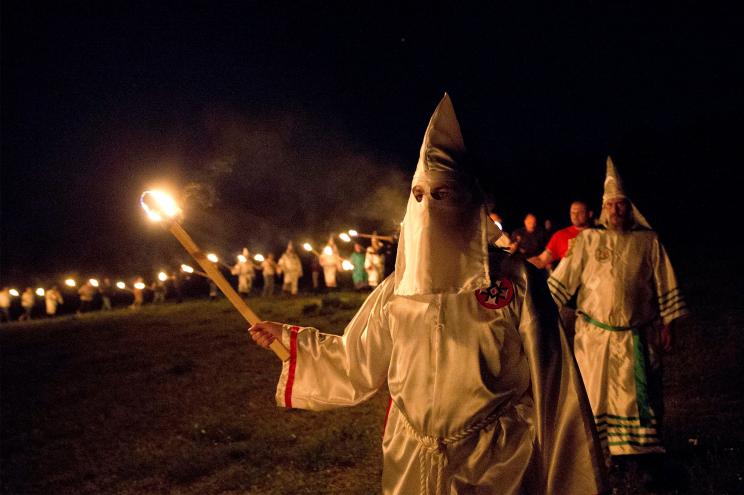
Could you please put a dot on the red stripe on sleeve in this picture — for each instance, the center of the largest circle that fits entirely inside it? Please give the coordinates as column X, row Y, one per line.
column 292, row 366
column 387, row 415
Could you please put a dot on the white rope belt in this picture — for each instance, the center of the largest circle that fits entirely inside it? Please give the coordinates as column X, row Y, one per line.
column 434, row 449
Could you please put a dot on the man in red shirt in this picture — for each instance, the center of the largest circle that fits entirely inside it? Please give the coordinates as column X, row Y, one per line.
column 561, row 241
column 556, row 249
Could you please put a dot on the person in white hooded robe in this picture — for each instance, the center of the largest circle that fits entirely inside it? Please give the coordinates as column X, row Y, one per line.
column 246, row 272
column 290, row 266
column 627, row 300
column 374, row 262
column 485, row 395
column 330, row 260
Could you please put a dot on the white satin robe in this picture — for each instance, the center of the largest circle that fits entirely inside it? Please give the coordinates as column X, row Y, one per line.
column 626, row 290
column 483, row 400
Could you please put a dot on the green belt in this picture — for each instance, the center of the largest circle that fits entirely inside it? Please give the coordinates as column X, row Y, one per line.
column 639, row 365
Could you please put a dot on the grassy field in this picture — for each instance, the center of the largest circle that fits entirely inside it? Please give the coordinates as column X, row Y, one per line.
column 176, row 399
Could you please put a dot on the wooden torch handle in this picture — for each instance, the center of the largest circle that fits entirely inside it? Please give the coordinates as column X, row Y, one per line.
column 211, row 270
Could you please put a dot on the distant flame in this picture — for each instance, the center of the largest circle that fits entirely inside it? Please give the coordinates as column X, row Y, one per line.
column 14, row 293
column 307, row 246
column 328, row 250
column 40, row 292
column 259, row 257
column 93, row 282
column 121, row 285
column 242, row 258
column 345, row 237
column 212, row 257
column 162, row 276
column 139, row 285
column 347, row 265
column 353, row 233
column 187, row 269
column 70, row 282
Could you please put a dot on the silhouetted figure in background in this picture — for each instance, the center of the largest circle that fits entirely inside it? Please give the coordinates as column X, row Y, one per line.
column 530, row 240
column 359, row 274
column 374, row 263
column 158, row 291
column 291, row 267
column 107, row 293
column 268, row 270
column 87, row 293
column 331, row 263
column 4, row 305
column 315, row 270
column 52, row 299
column 28, row 300
column 139, row 293
column 246, row 272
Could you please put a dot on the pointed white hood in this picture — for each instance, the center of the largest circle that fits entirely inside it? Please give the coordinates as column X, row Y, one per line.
column 443, row 244
column 613, row 189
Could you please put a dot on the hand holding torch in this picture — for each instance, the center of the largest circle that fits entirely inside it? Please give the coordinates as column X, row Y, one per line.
column 162, row 208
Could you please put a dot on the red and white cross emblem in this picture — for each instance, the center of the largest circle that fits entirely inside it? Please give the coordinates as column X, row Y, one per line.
column 497, row 296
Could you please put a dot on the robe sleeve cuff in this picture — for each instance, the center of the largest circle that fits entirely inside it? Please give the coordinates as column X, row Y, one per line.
column 287, row 377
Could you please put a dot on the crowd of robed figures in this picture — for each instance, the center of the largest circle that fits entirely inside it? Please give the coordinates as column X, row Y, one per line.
column 488, row 391
column 491, row 388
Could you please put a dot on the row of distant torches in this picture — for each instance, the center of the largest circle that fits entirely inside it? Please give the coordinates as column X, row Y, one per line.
column 162, row 276
column 72, row 283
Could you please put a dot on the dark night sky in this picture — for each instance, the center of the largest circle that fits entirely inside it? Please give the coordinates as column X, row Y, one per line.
column 291, row 121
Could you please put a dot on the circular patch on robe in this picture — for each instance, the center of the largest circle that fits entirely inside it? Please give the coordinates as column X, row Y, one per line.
column 602, row 254
column 497, row 296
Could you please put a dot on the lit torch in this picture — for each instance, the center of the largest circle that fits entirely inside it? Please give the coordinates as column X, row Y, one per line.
column 347, row 265
column 190, row 270
column 309, row 248
column 216, row 259
column 14, row 292
column 40, row 292
column 70, row 282
column 160, row 207
column 162, row 276
column 344, row 237
column 94, row 282
column 259, row 257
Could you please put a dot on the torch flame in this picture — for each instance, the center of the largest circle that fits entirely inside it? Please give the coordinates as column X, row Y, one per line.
column 259, row 257
column 242, row 259
column 347, row 265
column 139, row 285
column 70, row 282
column 345, row 237
column 40, row 292
column 307, row 246
column 212, row 257
column 121, row 285
column 159, row 205
column 353, row 233
column 187, row 269
column 328, row 250
column 162, row 276
column 93, row 282
column 14, row 293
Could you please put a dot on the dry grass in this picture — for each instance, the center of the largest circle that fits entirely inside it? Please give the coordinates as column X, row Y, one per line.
column 175, row 399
